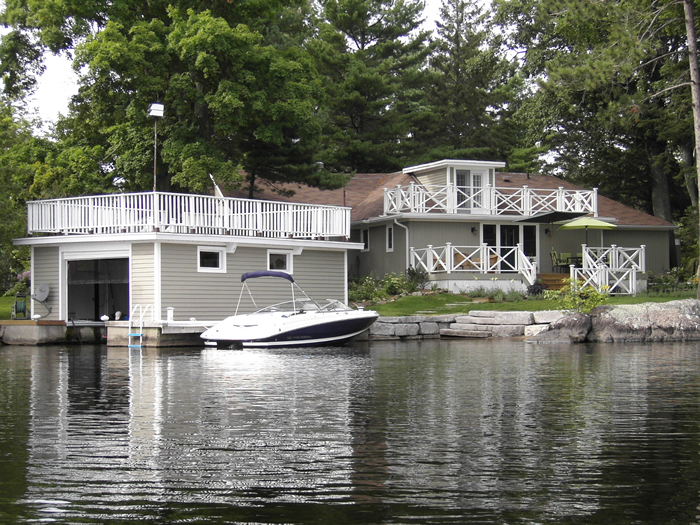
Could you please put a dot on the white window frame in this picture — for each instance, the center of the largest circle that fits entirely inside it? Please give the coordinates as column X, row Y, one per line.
column 389, row 238
column 222, row 259
column 364, row 232
column 289, row 255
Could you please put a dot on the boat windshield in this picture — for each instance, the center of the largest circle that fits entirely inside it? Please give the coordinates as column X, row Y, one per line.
column 304, row 305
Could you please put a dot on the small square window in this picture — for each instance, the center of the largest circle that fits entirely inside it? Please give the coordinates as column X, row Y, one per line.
column 211, row 260
column 281, row 261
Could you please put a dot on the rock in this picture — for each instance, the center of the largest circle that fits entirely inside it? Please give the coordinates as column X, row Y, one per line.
column 671, row 321
column 534, row 329
column 429, row 328
column 548, row 316
column 508, row 330
column 405, row 330
column 448, row 332
column 383, row 329
column 570, row 329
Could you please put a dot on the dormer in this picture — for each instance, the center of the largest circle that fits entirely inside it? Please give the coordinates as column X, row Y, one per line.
column 460, row 173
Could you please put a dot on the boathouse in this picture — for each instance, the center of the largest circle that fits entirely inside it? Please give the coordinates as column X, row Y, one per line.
column 162, row 256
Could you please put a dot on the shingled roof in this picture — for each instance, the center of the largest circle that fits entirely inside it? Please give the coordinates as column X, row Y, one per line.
column 364, row 193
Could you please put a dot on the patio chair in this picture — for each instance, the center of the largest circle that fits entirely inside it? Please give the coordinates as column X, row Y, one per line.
column 558, row 264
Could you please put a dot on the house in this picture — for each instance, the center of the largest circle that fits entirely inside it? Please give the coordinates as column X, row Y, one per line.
column 163, row 255
column 467, row 224
column 463, row 222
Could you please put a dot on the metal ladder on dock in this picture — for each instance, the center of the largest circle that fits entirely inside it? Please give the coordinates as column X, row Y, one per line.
column 141, row 311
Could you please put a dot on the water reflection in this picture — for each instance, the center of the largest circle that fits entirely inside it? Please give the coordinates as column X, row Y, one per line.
column 430, row 432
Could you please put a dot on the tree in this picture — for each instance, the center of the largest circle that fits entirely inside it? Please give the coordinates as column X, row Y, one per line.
column 370, row 53
column 240, row 94
column 598, row 72
column 472, row 90
column 20, row 154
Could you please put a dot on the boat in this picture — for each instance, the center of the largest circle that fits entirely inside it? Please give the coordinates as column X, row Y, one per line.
column 298, row 322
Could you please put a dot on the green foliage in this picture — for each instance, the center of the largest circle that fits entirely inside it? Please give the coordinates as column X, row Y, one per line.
column 366, row 289
column 471, row 88
column 498, row 295
column 21, row 155
column 239, row 93
column 576, row 297
column 600, row 67
column 536, row 289
column 370, row 55
column 416, row 279
column 371, row 289
column 674, row 281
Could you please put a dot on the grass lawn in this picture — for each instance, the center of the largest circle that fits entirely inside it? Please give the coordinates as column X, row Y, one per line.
column 6, row 307
column 449, row 303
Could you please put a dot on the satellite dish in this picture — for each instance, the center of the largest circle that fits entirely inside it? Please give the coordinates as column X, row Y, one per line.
column 41, row 292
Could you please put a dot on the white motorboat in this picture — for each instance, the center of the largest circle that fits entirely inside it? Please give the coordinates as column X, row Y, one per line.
column 299, row 322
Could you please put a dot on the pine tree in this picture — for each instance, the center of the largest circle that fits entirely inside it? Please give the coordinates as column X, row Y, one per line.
column 370, row 53
column 473, row 88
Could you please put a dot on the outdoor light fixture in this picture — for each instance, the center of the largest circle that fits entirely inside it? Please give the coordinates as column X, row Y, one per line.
column 156, row 111
column 473, row 229
column 547, row 231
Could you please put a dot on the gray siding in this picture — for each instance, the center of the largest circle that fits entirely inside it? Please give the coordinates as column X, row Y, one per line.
column 656, row 242
column 213, row 296
column 142, row 274
column 378, row 262
column 46, row 270
column 434, row 178
column 440, row 233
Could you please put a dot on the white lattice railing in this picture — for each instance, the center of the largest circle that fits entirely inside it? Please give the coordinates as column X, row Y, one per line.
column 178, row 213
column 416, row 198
column 613, row 269
column 474, row 259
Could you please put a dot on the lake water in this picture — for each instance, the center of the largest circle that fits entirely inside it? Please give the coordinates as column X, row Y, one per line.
column 497, row 431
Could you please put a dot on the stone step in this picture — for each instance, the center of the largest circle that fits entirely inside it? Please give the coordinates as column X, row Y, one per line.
column 472, row 334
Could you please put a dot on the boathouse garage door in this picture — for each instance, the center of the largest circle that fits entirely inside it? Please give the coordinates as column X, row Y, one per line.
column 97, row 287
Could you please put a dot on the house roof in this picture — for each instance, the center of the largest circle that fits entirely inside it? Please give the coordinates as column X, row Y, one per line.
column 364, row 193
column 607, row 208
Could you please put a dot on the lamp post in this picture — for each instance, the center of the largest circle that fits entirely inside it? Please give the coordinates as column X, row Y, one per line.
column 156, row 111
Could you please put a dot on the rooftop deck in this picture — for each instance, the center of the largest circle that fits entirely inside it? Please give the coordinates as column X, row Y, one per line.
column 525, row 201
column 179, row 213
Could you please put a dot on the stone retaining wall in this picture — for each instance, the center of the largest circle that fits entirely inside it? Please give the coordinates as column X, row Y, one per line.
column 475, row 324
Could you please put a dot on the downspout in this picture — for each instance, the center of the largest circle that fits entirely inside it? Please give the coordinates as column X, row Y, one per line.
column 407, row 253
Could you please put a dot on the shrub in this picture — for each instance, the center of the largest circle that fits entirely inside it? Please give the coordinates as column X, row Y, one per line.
column 538, row 288
column 576, row 297
column 394, row 284
column 416, row 279
column 513, row 296
column 366, row 289
column 498, row 295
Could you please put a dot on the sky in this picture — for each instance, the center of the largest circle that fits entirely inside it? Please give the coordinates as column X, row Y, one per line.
column 59, row 83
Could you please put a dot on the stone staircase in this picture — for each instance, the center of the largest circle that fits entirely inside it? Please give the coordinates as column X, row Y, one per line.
column 553, row 281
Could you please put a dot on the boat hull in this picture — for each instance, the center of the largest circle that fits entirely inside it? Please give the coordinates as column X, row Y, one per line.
column 279, row 330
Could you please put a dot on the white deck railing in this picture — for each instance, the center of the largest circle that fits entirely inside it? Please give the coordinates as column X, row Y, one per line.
column 474, row 259
column 416, row 198
column 178, row 213
column 613, row 269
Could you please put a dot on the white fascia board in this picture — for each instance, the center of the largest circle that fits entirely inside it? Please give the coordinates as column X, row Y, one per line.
column 183, row 238
column 491, row 219
column 431, row 166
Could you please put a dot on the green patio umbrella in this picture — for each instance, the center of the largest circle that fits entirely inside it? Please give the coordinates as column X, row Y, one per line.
column 586, row 223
